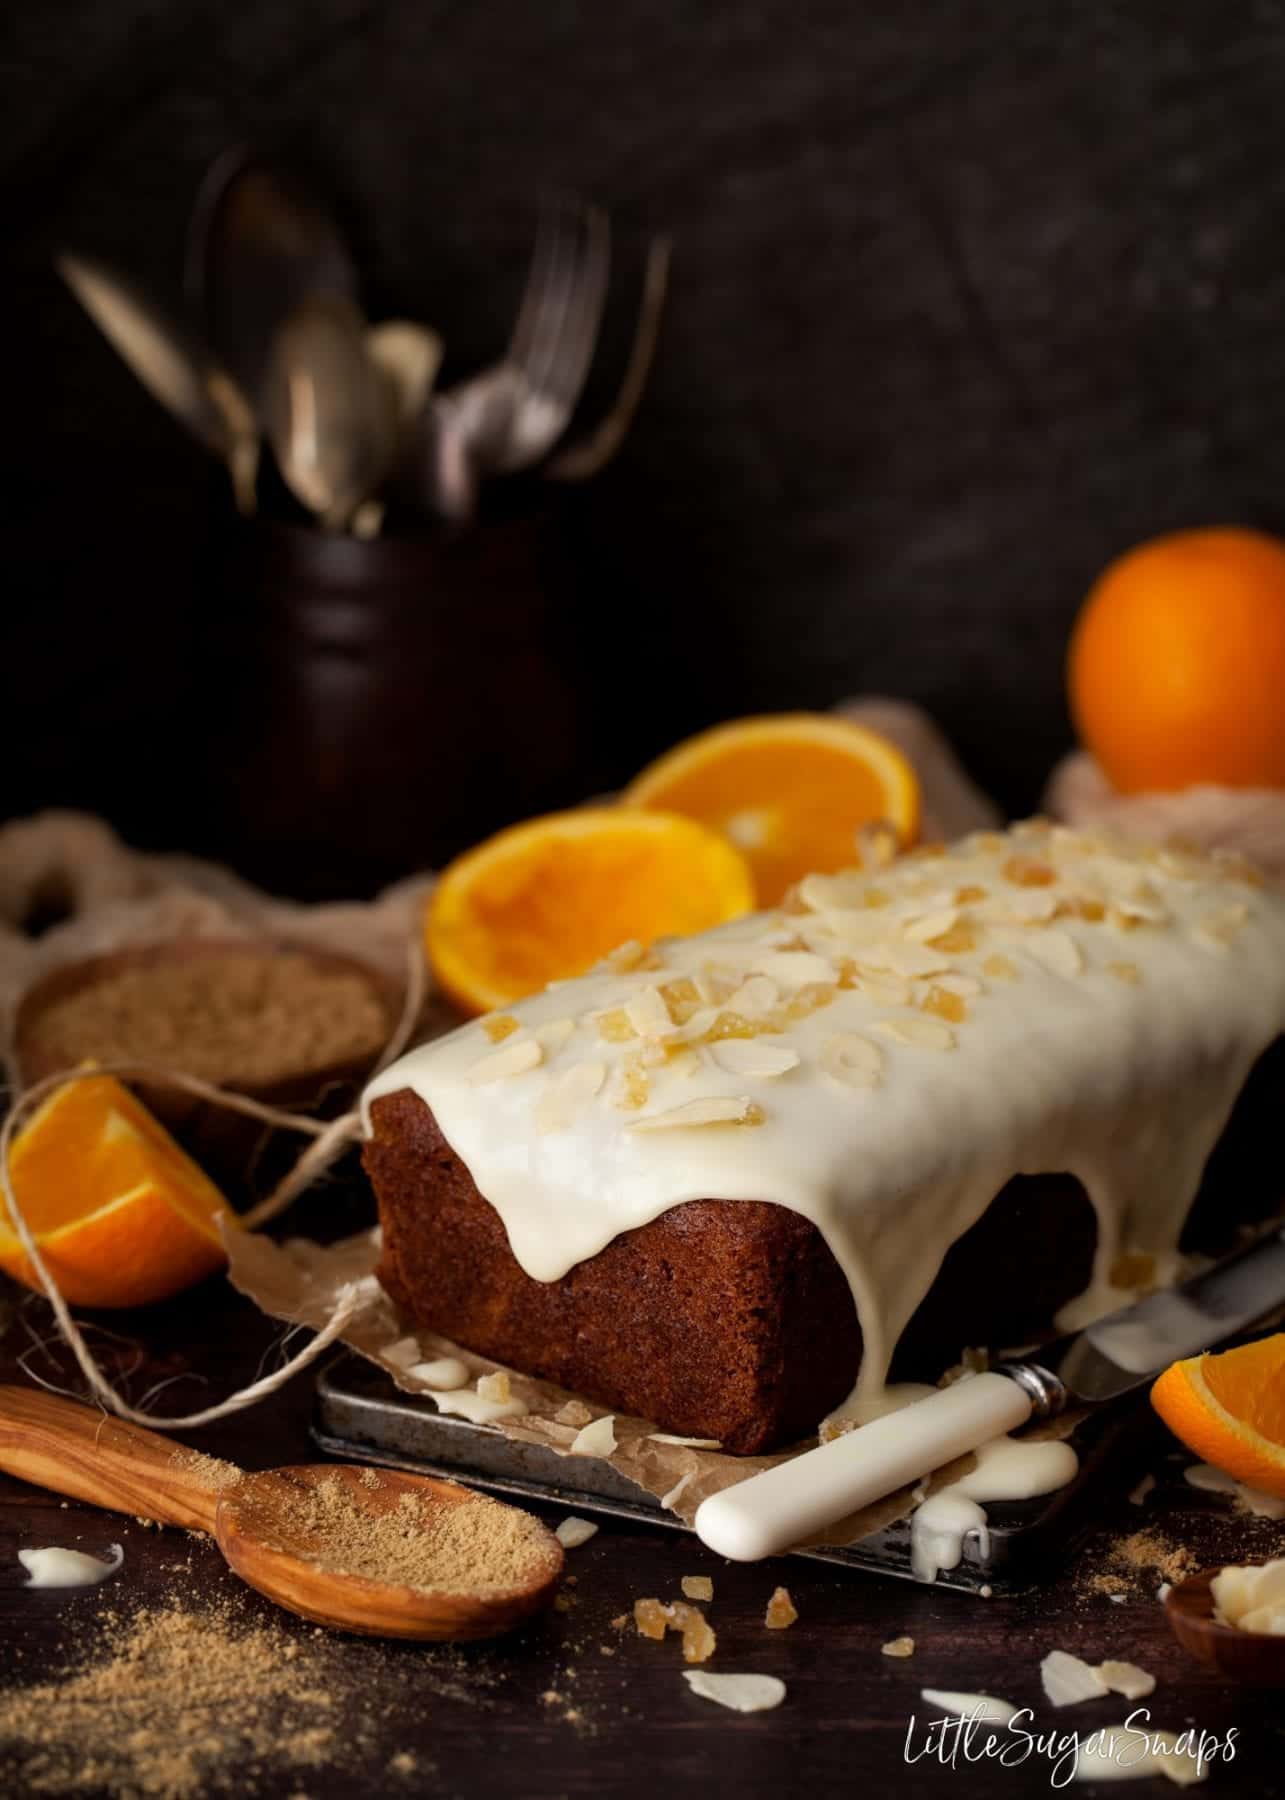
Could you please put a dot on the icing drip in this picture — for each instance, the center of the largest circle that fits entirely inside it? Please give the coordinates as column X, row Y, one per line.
column 1007, row 1469
column 882, row 1056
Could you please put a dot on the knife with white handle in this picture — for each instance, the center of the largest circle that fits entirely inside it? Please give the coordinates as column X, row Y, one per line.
column 790, row 1503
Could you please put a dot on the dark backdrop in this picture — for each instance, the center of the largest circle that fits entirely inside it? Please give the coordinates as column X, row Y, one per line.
column 966, row 298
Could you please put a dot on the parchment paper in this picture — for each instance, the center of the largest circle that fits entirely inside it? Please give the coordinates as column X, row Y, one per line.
column 299, row 1281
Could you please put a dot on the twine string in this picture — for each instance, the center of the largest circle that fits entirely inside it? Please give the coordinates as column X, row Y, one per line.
column 329, row 1139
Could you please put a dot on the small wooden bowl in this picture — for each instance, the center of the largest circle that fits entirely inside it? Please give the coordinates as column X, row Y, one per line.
column 1244, row 1655
column 226, row 1143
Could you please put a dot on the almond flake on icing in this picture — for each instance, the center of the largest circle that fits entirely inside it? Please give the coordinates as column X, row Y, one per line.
column 921, row 1034
column 853, row 1060
column 751, row 1056
column 885, row 990
column 648, row 1014
column 1217, row 931
column 1001, row 968
column 717, row 1109
column 966, row 987
column 553, row 1036
column 931, row 925
column 1056, row 952
column 913, row 960
column 1026, row 906
column 514, row 1057
column 756, row 995
column 696, row 1026
column 564, row 1100
column 597, row 1439
column 831, row 893
column 795, row 968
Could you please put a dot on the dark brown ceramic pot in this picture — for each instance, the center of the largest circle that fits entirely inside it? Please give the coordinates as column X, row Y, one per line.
column 379, row 705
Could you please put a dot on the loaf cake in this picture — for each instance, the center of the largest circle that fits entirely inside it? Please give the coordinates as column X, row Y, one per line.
column 722, row 1182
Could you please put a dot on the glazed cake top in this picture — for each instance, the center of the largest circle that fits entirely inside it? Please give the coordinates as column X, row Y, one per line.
column 882, row 1054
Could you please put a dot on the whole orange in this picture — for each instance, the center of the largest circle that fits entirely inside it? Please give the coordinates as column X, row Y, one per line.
column 1176, row 670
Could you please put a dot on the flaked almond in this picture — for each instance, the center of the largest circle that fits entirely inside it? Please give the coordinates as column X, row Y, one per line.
column 648, row 1014
column 853, row 1060
column 920, row 1034
column 715, row 1109
column 755, row 996
column 514, row 1057
column 1057, row 952
column 753, row 1057
column 555, row 1035
column 1001, row 968
column 1127, row 1679
column 795, row 968
column 567, row 1096
column 684, row 1443
column 965, row 986
column 573, row 1532
column 742, row 1693
column 930, row 926
column 598, row 1439
column 1067, row 1679
column 885, row 989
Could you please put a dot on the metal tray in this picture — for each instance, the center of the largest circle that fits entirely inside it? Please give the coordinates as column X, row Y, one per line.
column 361, row 1416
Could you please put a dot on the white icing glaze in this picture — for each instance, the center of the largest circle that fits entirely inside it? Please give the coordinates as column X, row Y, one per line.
column 1112, row 1014
column 1007, row 1469
column 54, row 1567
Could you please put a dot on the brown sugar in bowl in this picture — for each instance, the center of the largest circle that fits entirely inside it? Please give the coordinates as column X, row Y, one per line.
column 285, row 1024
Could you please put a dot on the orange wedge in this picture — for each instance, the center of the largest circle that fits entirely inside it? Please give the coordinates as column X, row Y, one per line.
column 792, row 790
column 1230, row 1409
column 121, row 1215
column 548, row 899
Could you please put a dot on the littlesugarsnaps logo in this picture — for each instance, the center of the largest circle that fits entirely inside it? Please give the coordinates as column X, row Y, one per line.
column 993, row 1732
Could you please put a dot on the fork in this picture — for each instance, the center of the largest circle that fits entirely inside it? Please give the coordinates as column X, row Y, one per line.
column 511, row 414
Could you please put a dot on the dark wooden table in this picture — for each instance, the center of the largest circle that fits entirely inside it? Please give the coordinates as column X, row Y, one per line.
column 479, row 1721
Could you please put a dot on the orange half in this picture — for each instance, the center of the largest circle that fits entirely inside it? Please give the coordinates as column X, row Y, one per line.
column 122, row 1216
column 791, row 790
column 547, row 899
column 1230, row 1409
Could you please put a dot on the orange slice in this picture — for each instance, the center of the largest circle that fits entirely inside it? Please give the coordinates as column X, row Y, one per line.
column 121, row 1215
column 1230, row 1409
column 547, row 899
column 792, row 790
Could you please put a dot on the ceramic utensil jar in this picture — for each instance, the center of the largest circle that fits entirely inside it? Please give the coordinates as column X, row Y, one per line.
column 374, row 706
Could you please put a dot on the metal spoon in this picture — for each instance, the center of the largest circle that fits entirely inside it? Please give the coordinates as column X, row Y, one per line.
column 327, row 409
column 174, row 369
column 262, row 1522
column 259, row 244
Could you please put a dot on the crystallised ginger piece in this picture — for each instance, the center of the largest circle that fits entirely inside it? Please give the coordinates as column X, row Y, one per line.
column 651, row 1618
column 697, row 1587
column 898, row 1646
column 781, row 1610
column 495, row 1387
column 498, row 1026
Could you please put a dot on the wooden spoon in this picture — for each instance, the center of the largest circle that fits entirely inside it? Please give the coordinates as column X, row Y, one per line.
column 255, row 1519
column 1245, row 1655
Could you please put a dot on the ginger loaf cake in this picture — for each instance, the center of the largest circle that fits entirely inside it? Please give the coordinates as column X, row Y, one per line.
column 721, row 1183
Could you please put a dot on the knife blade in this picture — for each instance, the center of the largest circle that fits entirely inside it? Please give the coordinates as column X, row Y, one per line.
column 787, row 1504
